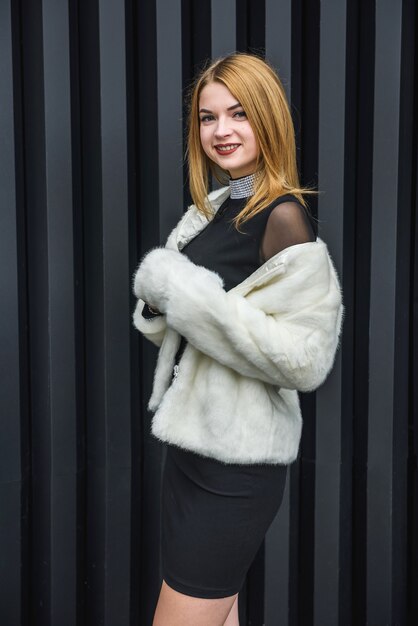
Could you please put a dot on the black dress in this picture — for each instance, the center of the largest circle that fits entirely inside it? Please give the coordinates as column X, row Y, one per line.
column 215, row 515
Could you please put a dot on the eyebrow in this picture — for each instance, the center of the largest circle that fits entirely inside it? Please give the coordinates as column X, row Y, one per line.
column 234, row 106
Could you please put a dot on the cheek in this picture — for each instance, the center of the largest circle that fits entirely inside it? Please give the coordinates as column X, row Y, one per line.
column 205, row 138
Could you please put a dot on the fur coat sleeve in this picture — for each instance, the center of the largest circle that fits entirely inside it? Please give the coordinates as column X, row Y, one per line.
column 154, row 328
column 284, row 331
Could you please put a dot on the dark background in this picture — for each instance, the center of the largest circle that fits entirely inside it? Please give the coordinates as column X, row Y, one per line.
column 91, row 176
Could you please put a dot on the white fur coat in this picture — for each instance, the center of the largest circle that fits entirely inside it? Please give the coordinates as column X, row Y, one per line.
column 249, row 349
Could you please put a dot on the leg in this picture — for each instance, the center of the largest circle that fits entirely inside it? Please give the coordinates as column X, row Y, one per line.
column 177, row 609
column 233, row 617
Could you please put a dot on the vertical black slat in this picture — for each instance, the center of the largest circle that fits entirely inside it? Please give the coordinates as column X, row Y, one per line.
column 190, row 34
column 11, row 462
column 38, row 317
column 79, row 335
column 328, row 539
column 256, row 20
column 223, row 27
column 25, row 422
column 402, row 384
column 59, row 241
column 91, row 176
column 169, row 76
column 305, row 87
column 131, row 13
column 196, row 37
column 305, row 110
column 201, row 20
column 383, row 417
column 359, row 218
column 278, row 39
column 147, row 121
column 242, row 25
column 413, row 421
column 116, row 304
column 358, row 193
column 413, row 374
column 251, row 26
column 351, row 514
column 277, row 542
column 147, row 232
column 196, row 52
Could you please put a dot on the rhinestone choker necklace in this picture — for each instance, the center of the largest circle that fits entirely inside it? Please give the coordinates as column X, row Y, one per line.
column 242, row 187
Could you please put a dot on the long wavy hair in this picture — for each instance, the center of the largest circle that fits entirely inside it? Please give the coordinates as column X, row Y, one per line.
column 255, row 84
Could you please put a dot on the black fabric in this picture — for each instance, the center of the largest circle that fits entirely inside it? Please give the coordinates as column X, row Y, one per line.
column 214, row 519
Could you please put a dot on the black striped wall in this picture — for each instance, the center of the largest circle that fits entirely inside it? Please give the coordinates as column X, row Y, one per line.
column 91, row 176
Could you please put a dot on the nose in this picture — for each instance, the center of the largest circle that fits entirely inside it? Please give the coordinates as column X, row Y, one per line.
column 222, row 128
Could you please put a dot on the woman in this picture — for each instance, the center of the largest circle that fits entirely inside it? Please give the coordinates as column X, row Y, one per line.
column 246, row 307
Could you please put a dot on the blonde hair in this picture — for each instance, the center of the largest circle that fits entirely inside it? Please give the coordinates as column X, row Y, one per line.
column 257, row 87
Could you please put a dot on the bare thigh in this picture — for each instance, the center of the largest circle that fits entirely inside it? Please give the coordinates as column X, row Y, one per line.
column 178, row 609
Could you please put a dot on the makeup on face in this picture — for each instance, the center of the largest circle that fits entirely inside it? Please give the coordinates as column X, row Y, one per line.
column 225, row 132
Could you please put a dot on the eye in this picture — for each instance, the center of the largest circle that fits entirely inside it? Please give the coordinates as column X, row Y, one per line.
column 206, row 118
column 240, row 114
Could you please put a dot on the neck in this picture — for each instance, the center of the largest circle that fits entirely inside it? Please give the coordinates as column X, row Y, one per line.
column 242, row 187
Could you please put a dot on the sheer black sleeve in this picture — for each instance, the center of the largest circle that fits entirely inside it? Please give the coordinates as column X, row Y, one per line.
column 287, row 225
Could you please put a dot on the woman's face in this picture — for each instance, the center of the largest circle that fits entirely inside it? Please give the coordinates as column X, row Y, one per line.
column 226, row 135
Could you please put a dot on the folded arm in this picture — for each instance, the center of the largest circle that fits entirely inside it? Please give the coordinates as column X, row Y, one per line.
column 149, row 321
column 291, row 347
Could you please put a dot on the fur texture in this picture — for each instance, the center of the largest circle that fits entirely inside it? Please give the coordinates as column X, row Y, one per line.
column 249, row 349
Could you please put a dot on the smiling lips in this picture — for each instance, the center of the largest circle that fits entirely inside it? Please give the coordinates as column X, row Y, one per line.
column 227, row 148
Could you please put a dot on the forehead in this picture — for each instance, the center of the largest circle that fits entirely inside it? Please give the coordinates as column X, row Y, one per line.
column 216, row 95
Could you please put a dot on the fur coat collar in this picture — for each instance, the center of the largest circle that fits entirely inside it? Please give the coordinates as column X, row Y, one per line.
column 250, row 350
